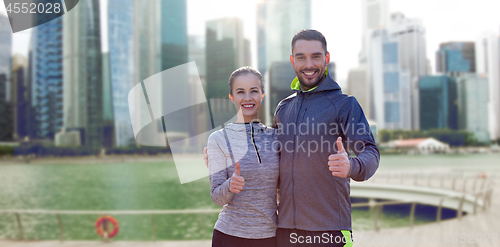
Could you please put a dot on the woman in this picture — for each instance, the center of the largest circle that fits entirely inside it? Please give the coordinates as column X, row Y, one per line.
column 244, row 168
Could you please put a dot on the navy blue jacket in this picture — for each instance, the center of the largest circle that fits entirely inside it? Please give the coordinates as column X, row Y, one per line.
column 308, row 124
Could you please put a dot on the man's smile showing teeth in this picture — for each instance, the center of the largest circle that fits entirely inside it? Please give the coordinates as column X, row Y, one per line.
column 310, row 73
column 248, row 106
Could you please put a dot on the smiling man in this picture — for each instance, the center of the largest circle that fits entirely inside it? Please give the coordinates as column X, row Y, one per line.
column 314, row 125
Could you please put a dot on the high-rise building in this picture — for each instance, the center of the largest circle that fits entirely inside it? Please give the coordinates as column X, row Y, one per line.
column 488, row 64
column 46, row 67
column 147, row 38
column 375, row 14
column 277, row 22
column 395, row 53
column 332, row 70
column 283, row 20
column 174, row 52
column 412, row 57
column 83, row 72
column 197, row 54
column 281, row 75
column 358, row 86
column 173, row 27
column 5, row 52
column 472, row 99
column 6, row 127
column 389, row 83
column 20, row 96
column 225, row 52
column 261, row 36
column 454, row 58
column 122, row 70
column 438, row 109
column 108, row 105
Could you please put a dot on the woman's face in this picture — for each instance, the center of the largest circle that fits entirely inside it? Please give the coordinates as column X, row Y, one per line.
column 247, row 97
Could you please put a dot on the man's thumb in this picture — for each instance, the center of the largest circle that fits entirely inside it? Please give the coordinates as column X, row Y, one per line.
column 340, row 146
column 237, row 168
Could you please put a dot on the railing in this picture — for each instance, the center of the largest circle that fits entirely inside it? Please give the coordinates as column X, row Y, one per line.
column 485, row 191
column 57, row 214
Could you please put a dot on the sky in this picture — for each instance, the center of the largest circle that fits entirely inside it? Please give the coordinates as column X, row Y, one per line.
column 340, row 22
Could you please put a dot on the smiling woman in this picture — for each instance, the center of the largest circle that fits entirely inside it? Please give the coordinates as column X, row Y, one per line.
column 244, row 168
column 246, row 91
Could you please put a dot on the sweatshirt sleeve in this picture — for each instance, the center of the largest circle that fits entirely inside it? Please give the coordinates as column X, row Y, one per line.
column 217, row 167
column 359, row 139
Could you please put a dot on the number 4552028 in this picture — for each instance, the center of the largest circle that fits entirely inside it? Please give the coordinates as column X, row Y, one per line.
column 471, row 238
column 33, row 8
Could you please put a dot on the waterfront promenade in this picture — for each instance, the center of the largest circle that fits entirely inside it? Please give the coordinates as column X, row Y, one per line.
column 473, row 229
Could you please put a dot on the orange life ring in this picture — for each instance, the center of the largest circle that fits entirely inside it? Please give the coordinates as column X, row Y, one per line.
column 102, row 227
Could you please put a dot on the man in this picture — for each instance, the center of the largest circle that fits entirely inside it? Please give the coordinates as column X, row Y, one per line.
column 314, row 186
column 314, row 122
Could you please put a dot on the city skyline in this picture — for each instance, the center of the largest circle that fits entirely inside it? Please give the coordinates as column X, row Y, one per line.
column 443, row 23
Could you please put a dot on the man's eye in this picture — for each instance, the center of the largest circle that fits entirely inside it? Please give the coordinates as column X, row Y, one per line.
column 300, row 58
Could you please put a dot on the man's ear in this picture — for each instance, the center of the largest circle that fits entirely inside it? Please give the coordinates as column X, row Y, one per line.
column 291, row 59
column 327, row 58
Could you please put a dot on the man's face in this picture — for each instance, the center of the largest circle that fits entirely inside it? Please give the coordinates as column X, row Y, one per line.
column 309, row 62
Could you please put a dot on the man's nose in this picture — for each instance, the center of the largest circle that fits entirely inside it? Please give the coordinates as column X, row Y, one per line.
column 309, row 63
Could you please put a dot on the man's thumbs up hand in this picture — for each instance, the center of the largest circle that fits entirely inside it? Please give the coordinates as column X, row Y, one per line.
column 339, row 163
column 237, row 181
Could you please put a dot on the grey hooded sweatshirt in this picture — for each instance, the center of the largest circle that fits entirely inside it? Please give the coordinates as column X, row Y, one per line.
column 252, row 212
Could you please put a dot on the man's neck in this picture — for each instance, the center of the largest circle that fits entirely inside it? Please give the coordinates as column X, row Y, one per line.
column 307, row 89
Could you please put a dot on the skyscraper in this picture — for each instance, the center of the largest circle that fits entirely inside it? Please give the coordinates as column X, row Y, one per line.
column 277, row 22
column 281, row 75
column 488, row 64
column 389, row 82
column 454, row 58
column 225, row 52
column 375, row 14
column 438, row 108
column 147, row 38
column 197, row 54
column 5, row 48
column 472, row 98
column 283, row 20
column 122, row 70
column 358, row 86
column 108, row 105
column 6, row 127
column 261, row 37
column 20, row 96
column 174, row 40
column 46, row 67
column 412, row 57
column 83, row 72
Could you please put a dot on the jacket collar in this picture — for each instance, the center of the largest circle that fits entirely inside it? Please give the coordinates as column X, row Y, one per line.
column 327, row 84
column 244, row 126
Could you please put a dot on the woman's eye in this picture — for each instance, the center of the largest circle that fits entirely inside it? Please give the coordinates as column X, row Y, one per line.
column 254, row 91
column 240, row 92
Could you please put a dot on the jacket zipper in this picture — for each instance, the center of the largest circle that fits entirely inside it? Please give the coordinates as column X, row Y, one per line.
column 293, row 162
column 255, row 146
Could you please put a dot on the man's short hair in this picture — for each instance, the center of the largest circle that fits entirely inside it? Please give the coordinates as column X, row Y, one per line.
column 309, row 34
